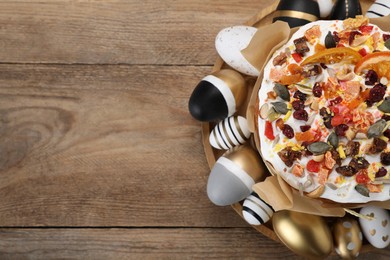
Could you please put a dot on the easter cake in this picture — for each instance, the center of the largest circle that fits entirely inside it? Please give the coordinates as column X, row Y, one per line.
column 324, row 111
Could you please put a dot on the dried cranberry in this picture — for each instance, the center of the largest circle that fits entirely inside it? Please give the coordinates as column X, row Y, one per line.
column 386, row 37
column 299, row 95
column 305, row 128
column 385, row 158
column 323, row 66
column 381, row 172
column 387, row 133
column 359, row 163
column 327, row 117
column 301, row 115
column 298, row 104
column 346, row 170
column 336, row 37
column 335, row 101
column 371, row 78
column 377, row 93
column 317, row 90
column 341, row 129
column 352, row 36
column 288, row 131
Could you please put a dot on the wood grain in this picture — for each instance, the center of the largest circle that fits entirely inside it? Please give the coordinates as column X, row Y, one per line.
column 151, row 243
column 102, row 146
column 112, row 32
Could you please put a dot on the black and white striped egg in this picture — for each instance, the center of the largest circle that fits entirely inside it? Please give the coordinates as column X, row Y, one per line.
column 344, row 9
column 218, row 96
column 256, row 211
column 229, row 132
column 379, row 9
column 297, row 12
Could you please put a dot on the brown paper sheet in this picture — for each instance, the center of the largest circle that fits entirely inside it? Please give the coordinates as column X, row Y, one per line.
column 274, row 190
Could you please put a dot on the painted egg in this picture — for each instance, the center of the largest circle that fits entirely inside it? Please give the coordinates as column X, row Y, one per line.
column 325, row 7
column 230, row 132
column 230, row 42
column 348, row 238
column 256, row 211
column 378, row 9
column 345, row 9
column 305, row 234
column 217, row 96
column 377, row 230
column 233, row 175
column 297, row 12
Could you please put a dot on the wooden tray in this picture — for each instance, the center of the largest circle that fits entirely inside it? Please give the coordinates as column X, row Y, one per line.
column 264, row 17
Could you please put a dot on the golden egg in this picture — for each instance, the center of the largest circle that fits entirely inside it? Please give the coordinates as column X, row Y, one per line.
column 347, row 237
column 306, row 235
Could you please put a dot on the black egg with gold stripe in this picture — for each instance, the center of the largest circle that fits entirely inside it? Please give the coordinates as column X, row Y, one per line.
column 229, row 132
column 217, row 96
column 344, row 9
column 256, row 211
column 297, row 12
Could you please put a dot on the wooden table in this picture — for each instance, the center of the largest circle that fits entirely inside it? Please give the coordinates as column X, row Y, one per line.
column 99, row 157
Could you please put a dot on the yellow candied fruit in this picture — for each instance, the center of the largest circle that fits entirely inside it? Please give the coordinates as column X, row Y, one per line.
column 287, row 116
column 278, row 147
column 384, row 138
column 341, row 152
column 370, row 44
column 340, row 179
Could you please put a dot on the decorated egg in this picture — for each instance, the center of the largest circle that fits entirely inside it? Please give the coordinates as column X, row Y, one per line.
column 230, row 42
column 297, row 12
column 233, row 175
column 217, row 96
column 378, row 9
column 305, row 234
column 345, row 9
column 325, row 7
column 230, row 132
column 376, row 230
column 256, row 211
column 348, row 238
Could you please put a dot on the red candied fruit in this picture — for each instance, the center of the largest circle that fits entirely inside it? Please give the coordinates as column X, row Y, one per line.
column 362, row 177
column 313, row 166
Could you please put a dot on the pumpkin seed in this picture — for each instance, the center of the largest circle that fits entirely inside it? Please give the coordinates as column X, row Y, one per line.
column 282, row 91
column 376, row 129
column 272, row 114
column 363, row 190
column 329, row 41
column 280, row 107
column 387, row 44
column 333, row 139
column 264, row 111
column 319, row 148
column 385, row 106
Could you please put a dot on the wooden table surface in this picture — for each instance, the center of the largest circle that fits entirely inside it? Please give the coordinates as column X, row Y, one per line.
column 99, row 157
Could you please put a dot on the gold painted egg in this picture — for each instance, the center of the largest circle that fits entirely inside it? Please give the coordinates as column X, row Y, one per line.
column 306, row 235
column 348, row 237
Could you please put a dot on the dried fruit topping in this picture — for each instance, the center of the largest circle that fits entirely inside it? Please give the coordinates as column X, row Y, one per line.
column 280, row 59
column 346, row 170
column 386, row 37
column 362, row 177
column 299, row 95
column 382, row 172
column 359, row 163
column 336, row 156
column 352, row 36
column 301, row 115
column 312, row 71
column 305, row 128
column 301, row 46
column 280, row 123
column 385, row 158
column 313, row 166
column 335, row 101
column 288, row 156
column 371, row 78
column 288, row 131
column 352, row 148
column 282, row 91
column 377, row 93
column 326, row 117
column 341, row 129
column 378, row 145
column 298, row 104
column 376, row 129
column 319, row 148
column 317, row 90
column 269, row 132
